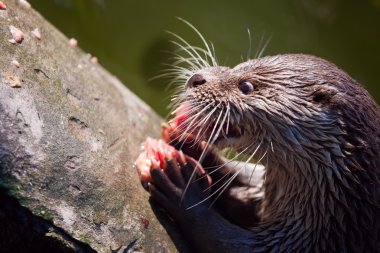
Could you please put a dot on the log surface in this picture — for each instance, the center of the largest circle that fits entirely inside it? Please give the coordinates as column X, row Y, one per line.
column 69, row 134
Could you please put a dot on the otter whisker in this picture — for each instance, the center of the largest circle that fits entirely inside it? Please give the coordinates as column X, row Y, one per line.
column 179, row 59
column 203, row 122
column 220, row 179
column 217, row 133
column 214, row 63
column 218, row 190
column 181, row 62
column 260, row 52
column 183, row 124
column 213, row 55
column 220, row 127
column 175, row 101
column 177, row 90
column 250, row 45
column 181, row 70
column 193, row 121
column 171, row 74
column 177, row 76
column 195, row 60
column 188, row 123
column 228, row 119
column 216, row 168
column 203, row 153
column 221, row 166
column 213, row 130
column 254, row 168
column 194, row 107
column 212, row 137
column 189, row 49
column 200, row 133
column 197, row 57
column 225, row 186
column 198, row 49
column 206, row 64
column 189, row 71
column 228, row 160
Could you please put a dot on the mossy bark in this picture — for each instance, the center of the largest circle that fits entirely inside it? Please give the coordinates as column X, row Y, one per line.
column 69, row 133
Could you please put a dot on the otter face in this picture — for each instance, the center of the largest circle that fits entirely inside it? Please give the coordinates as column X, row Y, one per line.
column 279, row 102
column 214, row 96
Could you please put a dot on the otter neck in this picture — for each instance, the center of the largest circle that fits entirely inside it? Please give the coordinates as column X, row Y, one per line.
column 305, row 188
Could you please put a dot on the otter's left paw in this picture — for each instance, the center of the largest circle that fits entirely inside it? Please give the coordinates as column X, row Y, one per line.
column 168, row 187
column 168, row 180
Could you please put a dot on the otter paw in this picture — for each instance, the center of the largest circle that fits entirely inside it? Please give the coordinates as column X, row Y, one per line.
column 168, row 187
column 166, row 172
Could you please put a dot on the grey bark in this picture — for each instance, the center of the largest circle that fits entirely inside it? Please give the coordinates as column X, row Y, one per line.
column 69, row 133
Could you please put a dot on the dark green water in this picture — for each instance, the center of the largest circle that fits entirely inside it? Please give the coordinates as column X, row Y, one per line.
column 128, row 37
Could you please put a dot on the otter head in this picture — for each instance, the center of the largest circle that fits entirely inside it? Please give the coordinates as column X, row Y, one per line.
column 288, row 107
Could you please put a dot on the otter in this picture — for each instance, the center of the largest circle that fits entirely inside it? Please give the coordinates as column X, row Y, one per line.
column 314, row 132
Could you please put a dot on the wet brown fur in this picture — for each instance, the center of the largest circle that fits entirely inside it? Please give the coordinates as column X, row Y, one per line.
column 318, row 130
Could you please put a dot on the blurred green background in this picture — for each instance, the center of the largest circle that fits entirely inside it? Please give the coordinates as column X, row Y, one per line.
column 129, row 38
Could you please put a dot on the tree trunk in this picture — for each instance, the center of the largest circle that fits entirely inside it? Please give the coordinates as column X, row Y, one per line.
column 69, row 134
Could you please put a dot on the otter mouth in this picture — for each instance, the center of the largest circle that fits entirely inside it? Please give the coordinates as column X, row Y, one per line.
column 228, row 133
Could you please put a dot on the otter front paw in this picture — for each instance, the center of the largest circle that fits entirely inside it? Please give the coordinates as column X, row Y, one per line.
column 167, row 189
column 166, row 172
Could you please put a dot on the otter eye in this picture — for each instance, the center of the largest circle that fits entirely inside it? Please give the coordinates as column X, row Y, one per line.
column 246, row 87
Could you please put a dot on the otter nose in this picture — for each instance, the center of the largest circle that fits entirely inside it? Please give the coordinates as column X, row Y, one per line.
column 195, row 81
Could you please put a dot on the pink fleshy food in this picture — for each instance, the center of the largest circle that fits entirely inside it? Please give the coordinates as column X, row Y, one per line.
column 173, row 127
column 181, row 115
column 155, row 154
column 182, row 127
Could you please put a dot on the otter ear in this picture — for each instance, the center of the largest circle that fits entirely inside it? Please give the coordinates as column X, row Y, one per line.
column 323, row 94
